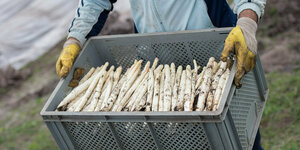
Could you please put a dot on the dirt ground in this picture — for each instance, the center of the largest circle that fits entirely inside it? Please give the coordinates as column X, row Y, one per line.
column 38, row 78
column 279, row 36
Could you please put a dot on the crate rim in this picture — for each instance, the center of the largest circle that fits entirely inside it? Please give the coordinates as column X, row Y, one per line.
column 225, row 30
column 196, row 115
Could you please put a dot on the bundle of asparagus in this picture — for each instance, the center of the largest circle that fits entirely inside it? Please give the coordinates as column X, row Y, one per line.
column 159, row 88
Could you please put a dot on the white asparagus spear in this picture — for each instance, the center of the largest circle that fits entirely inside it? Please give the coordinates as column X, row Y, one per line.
column 105, row 95
column 218, row 93
column 75, row 92
column 72, row 103
column 227, row 77
column 159, row 69
column 88, row 102
column 220, row 71
column 176, row 87
column 142, row 89
column 86, row 107
column 87, row 76
column 125, row 99
column 132, row 99
column 194, row 79
column 199, row 80
column 126, row 86
column 224, row 85
column 155, row 62
column 157, row 74
column 210, row 98
column 142, row 102
column 180, row 102
column 193, row 93
column 215, row 67
column 132, row 102
column 95, row 72
column 107, row 105
column 72, row 108
column 117, row 76
column 90, row 89
column 150, row 90
column 173, row 74
column 123, row 89
column 99, row 88
column 167, row 89
column 116, row 91
column 210, row 95
column 75, row 104
column 205, row 85
column 111, row 69
column 161, row 92
column 188, row 89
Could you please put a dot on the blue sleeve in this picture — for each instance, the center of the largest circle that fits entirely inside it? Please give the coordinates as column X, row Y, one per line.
column 89, row 19
column 257, row 6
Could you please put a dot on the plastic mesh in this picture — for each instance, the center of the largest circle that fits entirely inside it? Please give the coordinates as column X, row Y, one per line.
column 182, row 136
column 123, row 55
column 135, row 135
column 91, row 135
column 181, row 53
column 241, row 107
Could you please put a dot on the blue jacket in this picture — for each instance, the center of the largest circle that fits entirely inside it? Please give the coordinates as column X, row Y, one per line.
column 161, row 15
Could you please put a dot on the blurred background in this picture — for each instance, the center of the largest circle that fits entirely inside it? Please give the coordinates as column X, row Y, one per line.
column 32, row 35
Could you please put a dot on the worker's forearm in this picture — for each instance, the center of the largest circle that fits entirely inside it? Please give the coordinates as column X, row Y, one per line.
column 250, row 14
column 86, row 17
column 72, row 40
column 253, row 9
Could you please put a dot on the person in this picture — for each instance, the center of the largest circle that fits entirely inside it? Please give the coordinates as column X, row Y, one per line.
column 173, row 15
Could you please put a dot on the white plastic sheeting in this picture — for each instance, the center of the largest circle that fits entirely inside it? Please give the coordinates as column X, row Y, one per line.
column 29, row 28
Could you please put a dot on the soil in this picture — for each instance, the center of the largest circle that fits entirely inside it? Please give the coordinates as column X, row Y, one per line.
column 35, row 80
column 279, row 36
column 38, row 78
column 11, row 77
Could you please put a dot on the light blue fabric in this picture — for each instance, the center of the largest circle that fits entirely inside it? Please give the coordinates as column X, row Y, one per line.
column 86, row 16
column 169, row 15
column 256, row 5
column 156, row 15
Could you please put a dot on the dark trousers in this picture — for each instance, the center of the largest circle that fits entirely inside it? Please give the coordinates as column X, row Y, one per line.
column 257, row 144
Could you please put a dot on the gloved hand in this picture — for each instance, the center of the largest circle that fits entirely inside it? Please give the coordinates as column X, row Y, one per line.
column 241, row 41
column 65, row 61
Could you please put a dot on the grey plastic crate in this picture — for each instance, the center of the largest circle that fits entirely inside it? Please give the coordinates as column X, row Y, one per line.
column 233, row 126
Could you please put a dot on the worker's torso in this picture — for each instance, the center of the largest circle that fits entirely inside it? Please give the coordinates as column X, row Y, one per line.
column 169, row 15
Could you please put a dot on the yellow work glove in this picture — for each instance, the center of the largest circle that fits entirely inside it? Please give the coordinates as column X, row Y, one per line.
column 241, row 41
column 67, row 57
